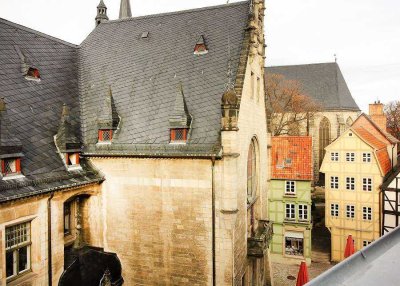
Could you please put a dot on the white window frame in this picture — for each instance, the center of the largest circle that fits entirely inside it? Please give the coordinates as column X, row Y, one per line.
column 335, row 156
column 367, row 157
column 367, row 213
column 350, row 183
column 290, row 188
column 350, row 211
column 290, row 211
column 334, row 210
column 366, row 243
column 303, row 212
column 350, row 157
column 14, row 247
column 334, row 182
column 367, row 184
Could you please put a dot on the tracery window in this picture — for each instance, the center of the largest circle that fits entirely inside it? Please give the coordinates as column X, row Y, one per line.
column 252, row 179
column 324, row 137
column 18, row 254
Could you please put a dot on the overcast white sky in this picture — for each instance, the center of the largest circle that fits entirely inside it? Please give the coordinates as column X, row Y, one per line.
column 365, row 34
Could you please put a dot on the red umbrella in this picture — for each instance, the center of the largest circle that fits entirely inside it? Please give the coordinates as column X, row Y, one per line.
column 302, row 277
column 349, row 247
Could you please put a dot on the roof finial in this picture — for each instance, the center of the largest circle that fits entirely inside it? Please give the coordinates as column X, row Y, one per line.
column 335, row 58
column 101, row 13
column 229, row 85
column 125, row 9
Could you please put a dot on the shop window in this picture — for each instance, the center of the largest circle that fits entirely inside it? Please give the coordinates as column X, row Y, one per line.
column 294, row 244
column 18, row 254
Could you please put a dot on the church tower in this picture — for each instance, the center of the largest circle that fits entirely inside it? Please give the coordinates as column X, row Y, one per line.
column 101, row 13
column 125, row 9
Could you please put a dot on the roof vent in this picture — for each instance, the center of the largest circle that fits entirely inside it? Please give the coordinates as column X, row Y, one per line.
column 145, row 35
column 200, row 47
column 33, row 74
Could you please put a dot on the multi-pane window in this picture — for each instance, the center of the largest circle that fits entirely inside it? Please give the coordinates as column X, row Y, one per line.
column 367, row 184
column 350, row 211
column 290, row 211
column 290, row 188
column 67, row 217
column 18, row 243
column 367, row 213
column 303, row 212
column 335, row 156
column 178, row 134
column 350, row 157
column 10, row 166
column 105, row 135
column 366, row 243
column 334, row 182
column 350, row 183
column 366, row 157
column 335, row 210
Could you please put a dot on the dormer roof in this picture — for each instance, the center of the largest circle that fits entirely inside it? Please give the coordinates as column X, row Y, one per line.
column 67, row 138
column 10, row 145
column 180, row 117
column 108, row 117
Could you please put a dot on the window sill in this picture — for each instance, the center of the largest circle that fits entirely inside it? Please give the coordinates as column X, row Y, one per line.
column 178, row 143
column 104, row 143
column 22, row 278
column 13, row 177
column 32, row 78
column 290, row 196
column 74, row 168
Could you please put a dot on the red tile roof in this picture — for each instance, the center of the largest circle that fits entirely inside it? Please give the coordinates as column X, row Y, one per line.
column 292, row 158
column 369, row 138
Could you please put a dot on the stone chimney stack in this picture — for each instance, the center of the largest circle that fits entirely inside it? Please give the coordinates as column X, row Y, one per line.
column 377, row 115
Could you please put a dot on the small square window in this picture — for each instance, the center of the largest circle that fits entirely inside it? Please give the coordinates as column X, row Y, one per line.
column 334, row 182
column 178, row 135
column 334, row 156
column 367, row 213
column 10, row 166
column 335, row 210
column 366, row 157
column 290, row 188
column 350, row 157
column 350, row 211
column 367, row 184
column 350, row 183
column 105, row 135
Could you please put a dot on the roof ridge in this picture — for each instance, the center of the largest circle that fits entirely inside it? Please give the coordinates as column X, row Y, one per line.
column 177, row 12
column 29, row 30
column 366, row 139
column 297, row 65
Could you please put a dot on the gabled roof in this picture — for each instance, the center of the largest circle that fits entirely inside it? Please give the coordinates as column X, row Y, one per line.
column 144, row 74
column 292, row 158
column 322, row 82
column 34, row 108
column 384, row 133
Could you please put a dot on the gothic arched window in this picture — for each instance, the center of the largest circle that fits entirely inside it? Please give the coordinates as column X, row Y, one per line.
column 251, row 172
column 324, row 137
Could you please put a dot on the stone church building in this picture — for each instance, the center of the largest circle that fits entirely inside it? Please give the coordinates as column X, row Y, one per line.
column 138, row 157
column 325, row 84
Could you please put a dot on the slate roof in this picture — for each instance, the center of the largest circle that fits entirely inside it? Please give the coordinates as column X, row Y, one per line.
column 323, row 82
column 34, row 108
column 291, row 157
column 144, row 74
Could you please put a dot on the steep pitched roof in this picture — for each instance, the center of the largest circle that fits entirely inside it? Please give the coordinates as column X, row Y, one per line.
column 34, row 108
column 323, row 82
column 144, row 73
column 292, row 158
column 364, row 117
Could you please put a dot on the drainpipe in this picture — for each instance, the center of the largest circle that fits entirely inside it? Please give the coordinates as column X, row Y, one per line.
column 393, row 157
column 50, row 273
column 213, row 219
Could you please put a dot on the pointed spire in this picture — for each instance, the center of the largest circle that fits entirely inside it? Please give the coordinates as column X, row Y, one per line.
column 67, row 139
column 101, row 13
column 9, row 143
column 180, row 118
column 108, row 117
column 125, row 9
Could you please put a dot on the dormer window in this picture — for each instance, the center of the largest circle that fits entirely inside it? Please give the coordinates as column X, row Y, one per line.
column 200, row 47
column 10, row 167
column 72, row 159
column 33, row 74
column 105, row 136
column 178, row 135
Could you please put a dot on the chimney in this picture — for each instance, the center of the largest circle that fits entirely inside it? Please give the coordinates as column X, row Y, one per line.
column 377, row 115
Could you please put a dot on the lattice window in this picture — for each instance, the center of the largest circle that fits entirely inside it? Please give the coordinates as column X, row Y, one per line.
column 290, row 211
column 367, row 184
column 10, row 166
column 18, row 241
column 303, row 212
column 366, row 157
column 178, row 135
column 334, row 182
column 105, row 135
column 367, row 213
column 334, row 210
column 350, row 183
column 290, row 188
column 350, row 211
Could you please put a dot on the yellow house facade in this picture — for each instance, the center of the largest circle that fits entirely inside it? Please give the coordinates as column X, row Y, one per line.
column 354, row 167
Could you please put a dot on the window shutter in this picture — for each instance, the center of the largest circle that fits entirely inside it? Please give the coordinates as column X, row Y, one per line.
column 111, row 134
column 172, row 134
column 18, row 165
column 77, row 158
column 66, row 158
column 184, row 134
column 100, row 135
